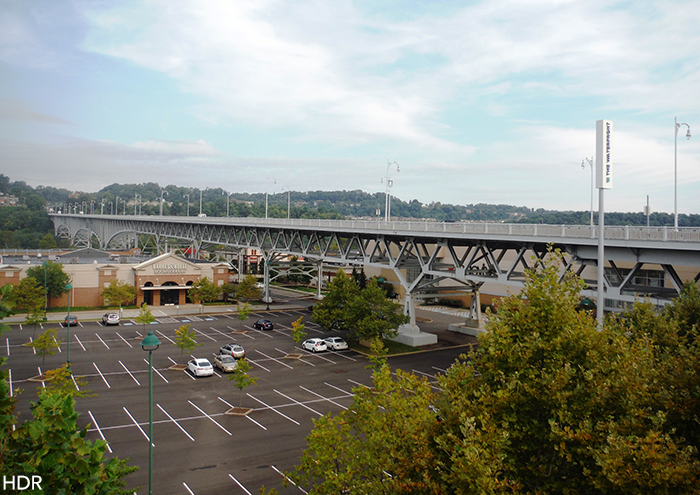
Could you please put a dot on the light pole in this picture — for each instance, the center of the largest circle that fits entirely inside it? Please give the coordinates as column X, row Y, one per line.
column 228, row 201
column 150, row 343
column 102, row 207
column 267, row 188
column 136, row 200
column 389, row 183
column 162, row 191
column 69, row 288
column 200, row 202
column 188, row 204
column 289, row 200
column 116, row 205
column 583, row 165
column 675, row 167
column 45, row 264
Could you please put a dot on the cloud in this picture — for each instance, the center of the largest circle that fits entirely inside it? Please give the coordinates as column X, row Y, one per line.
column 19, row 111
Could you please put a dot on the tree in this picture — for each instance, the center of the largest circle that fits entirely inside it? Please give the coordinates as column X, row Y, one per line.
column 247, row 290
column 370, row 314
column 545, row 404
column 243, row 312
column 7, row 302
column 185, row 339
column 29, row 295
column 228, row 291
column 242, row 378
column 46, row 344
column 204, row 290
column 118, row 293
column 298, row 333
column 330, row 313
column 145, row 317
column 56, row 278
column 48, row 242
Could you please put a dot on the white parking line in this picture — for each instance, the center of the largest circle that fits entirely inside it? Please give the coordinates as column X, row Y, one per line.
column 137, row 425
column 439, row 369
column 247, row 417
column 239, row 484
column 154, row 369
column 222, row 333
column 421, row 373
column 72, row 376
column 258, row 365
column 273, row 359
column 57, row 346
column 125, row 341
column 187, row 488
column 103, row 342
column 132, row 376
column 202, row 333
column 79, row 342
column 7, row 342
column 289, row 480
column 165, row 337
column 94, row 421
column 273, row 409
column 10, row 381
column 30, row 341
column 285, row 314
column 244, row 334
column 210, row 418
column 259, row 331
column 318, row 356
column 175, row 421
column 324, row 398
column 103, row 377
column 297, row 402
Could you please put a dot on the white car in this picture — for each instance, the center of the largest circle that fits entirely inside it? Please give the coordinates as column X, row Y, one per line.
column 200, row 367
column 314, row 345
column 336, row 343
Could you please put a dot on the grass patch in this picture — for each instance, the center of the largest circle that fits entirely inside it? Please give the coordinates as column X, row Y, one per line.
column 392, row 347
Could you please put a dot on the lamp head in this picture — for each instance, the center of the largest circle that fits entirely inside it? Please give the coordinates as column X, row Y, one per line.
column 150, row 342
column 687, row 134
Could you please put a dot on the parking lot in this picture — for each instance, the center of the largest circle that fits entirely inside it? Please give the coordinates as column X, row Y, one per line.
column 198, row 448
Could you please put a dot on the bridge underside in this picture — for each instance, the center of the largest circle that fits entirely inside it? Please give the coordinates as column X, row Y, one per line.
column 426, row 265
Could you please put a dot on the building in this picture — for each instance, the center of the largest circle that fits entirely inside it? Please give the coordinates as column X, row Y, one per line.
column 159, row 281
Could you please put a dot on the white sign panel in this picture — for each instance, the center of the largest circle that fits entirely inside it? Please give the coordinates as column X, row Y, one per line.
column 603, row 154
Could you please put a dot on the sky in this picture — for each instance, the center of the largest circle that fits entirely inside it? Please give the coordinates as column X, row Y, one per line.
column 458, row 102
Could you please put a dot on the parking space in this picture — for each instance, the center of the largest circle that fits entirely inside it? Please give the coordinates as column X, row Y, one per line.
column 199, row 448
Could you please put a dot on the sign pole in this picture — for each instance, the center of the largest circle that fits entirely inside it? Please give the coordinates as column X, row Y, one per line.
column 604, row 180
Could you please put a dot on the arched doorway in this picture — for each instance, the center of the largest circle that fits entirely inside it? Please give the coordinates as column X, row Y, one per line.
column 188, row 298
column 148, row 294
column 169, row 296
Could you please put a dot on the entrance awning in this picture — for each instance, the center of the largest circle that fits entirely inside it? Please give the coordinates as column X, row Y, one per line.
column 166, row 287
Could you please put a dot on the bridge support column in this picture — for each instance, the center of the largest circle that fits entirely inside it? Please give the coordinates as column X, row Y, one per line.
column 319, row 280
column 474, row 325
column 410, row 333
column 266, row 260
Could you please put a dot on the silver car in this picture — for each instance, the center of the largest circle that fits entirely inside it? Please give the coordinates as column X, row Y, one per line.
column 234, row 350
column 200, row 367
column 336, row 343
column 110, row 319
column 225, row 363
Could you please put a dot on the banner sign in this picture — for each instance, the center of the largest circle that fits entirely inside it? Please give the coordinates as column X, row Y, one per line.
column 603, row 157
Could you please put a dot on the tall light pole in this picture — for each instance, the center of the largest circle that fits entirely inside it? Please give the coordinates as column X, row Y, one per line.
column 677, row 125
column 389, row 183
column 162, row 191
column 150, row 343
column 45, row 264
column 136, row 199
column 102, row 207
column 116, row 205
column 289, row 199
column 583, row 165
column 69, row 288
column 200, row 202
column 267, row 188
column 228, row 201
column 188, row 204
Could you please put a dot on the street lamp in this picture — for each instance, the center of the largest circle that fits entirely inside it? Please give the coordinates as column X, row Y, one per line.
column 150, row 343
column 289, row 201
column 188, row 204
column 228, row 201
column 267, row 188
column 163, row 191
column 69, row 288
column 389, row 183
column 116, row 205
column 583, row 165
column 45, row 264
column 675, row 167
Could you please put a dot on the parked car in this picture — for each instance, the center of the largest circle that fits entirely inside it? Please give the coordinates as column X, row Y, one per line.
column 336, row 343
column 70, row 321
column 314, row 345
column 110, row 319
column 263, row 325
column 233, row 350
column 225, row 363
column 200, row 367
column 259, row 285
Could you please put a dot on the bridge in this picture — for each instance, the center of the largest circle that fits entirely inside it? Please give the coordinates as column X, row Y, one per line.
column 429, row 259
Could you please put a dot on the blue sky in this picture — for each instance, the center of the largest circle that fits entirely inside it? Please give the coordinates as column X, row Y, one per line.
column 477, row 101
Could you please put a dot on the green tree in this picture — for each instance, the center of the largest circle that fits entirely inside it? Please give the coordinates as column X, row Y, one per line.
column 48, row 242
column 205, row 291
column 298, row 333
column 370, row 314
column 331, row 312
column 244, row 312
column 228, row 291
column 118, row 293
column 56, row 278
column 145, row 317
column 242, row 378
column 247, row 290
column 47, row 344
column 185, row 339
column 29, row 295
column 685, row 310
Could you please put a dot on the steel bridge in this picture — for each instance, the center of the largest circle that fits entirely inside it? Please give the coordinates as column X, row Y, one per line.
column 429, row 258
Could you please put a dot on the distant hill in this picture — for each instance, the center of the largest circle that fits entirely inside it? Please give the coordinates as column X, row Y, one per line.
column 28, row 225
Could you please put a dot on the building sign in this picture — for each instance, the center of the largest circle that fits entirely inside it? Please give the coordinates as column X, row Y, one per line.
column 603, row 154
column 169, row 269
